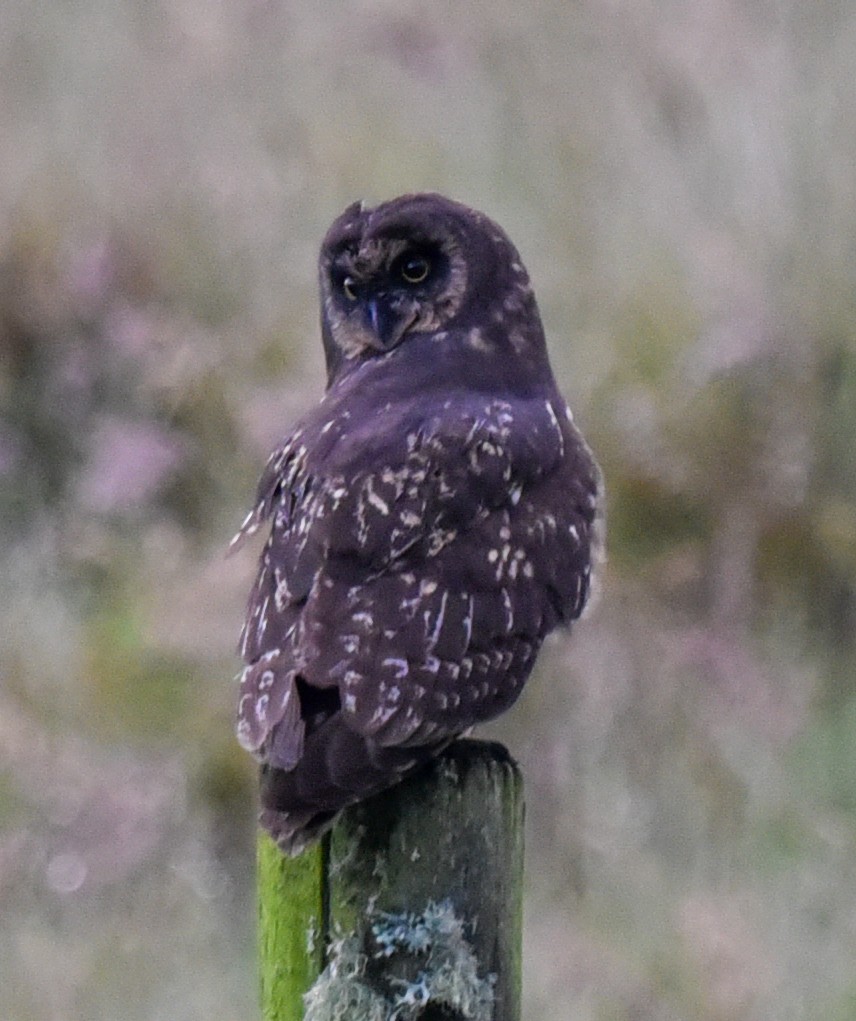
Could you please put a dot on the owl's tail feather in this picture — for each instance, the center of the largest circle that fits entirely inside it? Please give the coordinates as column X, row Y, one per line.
column 338, row 768
column 295, row 831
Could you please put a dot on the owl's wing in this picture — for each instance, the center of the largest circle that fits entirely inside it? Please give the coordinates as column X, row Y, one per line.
column 443, row 634
column 412, row 576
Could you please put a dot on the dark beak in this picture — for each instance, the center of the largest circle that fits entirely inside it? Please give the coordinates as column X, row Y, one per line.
column 386, row 323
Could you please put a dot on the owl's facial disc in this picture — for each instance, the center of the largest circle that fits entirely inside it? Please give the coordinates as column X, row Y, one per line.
column 376, row 313
column 386, row 288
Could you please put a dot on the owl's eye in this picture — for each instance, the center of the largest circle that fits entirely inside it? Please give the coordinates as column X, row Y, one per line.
column 349, row 288
column 414, row 269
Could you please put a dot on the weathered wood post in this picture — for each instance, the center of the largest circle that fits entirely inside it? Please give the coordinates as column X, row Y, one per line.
column 411, row 911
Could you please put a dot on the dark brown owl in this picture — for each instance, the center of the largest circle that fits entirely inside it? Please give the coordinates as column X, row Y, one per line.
column 432, row 519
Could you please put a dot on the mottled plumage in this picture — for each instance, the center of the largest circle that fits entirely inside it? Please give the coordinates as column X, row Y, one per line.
column 433, row 518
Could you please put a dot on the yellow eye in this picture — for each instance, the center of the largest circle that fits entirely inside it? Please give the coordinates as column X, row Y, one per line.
column 348, row 286
column 415, row 269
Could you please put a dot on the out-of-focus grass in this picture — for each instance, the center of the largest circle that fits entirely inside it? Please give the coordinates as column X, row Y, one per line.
column 679, row 182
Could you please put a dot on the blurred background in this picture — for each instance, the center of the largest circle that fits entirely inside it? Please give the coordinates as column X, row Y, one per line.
column 679, row 180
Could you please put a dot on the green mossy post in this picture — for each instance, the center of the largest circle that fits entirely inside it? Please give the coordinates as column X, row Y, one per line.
column 447, row 844
column 291, row 927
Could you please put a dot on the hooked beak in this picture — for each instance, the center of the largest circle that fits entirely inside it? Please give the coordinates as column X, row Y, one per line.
column 386, row 324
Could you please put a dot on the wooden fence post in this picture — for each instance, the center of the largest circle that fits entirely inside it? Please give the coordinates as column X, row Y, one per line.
column 419, row 902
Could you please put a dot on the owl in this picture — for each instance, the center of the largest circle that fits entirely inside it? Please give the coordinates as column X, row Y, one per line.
column 432, row 519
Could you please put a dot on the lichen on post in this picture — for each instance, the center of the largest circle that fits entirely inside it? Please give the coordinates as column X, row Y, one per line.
column 403, row 967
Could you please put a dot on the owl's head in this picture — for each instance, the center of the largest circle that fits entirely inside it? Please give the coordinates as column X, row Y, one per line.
column 419, row 264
